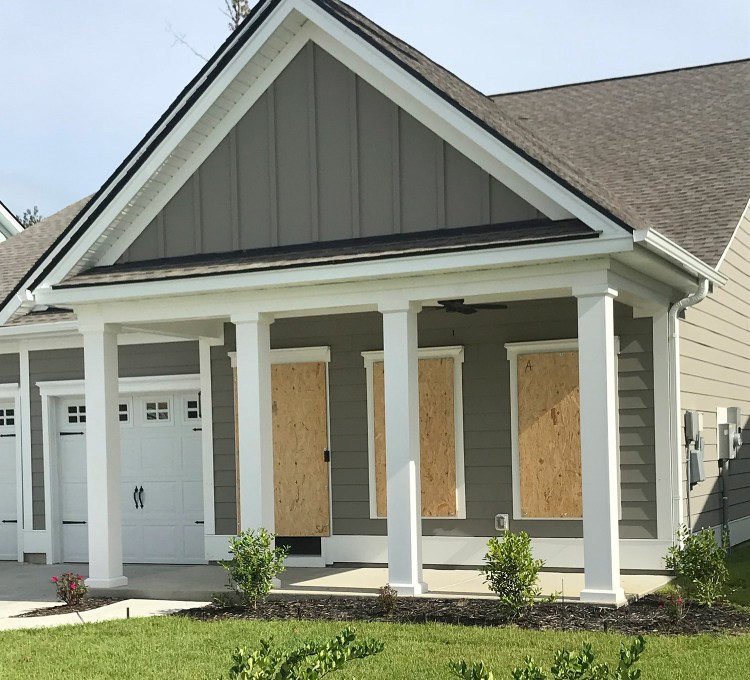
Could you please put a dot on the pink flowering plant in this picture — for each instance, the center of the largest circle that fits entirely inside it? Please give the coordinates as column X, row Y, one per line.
column 70, row 587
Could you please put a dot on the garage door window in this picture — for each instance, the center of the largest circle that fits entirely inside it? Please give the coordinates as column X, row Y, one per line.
column 124, row 413
column 7, row 416
column 192, row 409
column 158, row 412
column 76, row 414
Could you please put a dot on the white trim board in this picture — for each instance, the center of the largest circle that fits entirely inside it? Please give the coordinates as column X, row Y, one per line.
column 293, row 355
column 455, row 352
column 152, row 384
column 10, row 392
column 514, row 350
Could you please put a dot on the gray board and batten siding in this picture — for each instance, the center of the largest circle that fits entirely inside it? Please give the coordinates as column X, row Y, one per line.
column 323, row 156
column 486, row 403
column 179, row 358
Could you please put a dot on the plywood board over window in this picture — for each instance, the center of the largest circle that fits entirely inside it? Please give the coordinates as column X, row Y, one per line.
column 440, row 423
column 549, row 434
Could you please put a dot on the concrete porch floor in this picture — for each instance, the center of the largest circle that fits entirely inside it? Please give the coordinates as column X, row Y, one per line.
column 200, row 582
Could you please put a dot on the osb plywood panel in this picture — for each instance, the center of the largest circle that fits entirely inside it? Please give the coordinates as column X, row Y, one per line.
column 300, row 437
column 437, row 437
column 549, row 434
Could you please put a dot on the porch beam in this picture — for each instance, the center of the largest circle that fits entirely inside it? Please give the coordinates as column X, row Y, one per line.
column 402, row 447
column 597, row 377
column 103, row 469
column 254, row 421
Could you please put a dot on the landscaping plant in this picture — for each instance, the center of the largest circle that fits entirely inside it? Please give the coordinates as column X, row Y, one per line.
column 387, row 597
column 567, row 665
column 254, row 564
column 311, row 661
column 70, row 588
column 511, row 572
column 699, row 564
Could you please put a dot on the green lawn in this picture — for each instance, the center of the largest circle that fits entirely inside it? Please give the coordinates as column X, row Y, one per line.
column 739, row 575
column 181, row 648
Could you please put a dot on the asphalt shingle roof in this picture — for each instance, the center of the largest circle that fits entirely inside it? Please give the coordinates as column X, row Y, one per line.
column 673, row 146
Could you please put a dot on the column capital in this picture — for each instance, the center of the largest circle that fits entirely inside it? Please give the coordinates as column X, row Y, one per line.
column 390, row 306
column 594, row 290
column 252, row 317
column 91, row 326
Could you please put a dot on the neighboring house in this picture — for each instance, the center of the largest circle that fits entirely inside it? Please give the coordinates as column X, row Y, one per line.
column 9, row 225
column 331, row 254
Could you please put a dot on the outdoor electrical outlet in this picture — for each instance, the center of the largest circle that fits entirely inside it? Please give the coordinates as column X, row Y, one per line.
column 501, row 522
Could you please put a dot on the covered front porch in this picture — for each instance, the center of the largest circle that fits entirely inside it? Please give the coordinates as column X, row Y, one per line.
column 627, row 507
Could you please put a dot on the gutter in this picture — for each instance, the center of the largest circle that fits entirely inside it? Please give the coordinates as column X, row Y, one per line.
column 676, row 409
column 669, row 250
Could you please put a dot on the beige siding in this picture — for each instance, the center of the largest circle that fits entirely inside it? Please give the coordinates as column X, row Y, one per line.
column 715, row 356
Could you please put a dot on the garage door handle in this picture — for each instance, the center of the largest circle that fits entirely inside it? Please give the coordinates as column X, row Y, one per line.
column 70, row 434
column 6, row 435
column 10, row 521
column 135, row 497
column 70, row 521
column 140, row 496
column 199, row 521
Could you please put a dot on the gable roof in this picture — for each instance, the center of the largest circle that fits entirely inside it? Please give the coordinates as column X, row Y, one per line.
column 674, row 146
column 515, row 134
column 21, row 252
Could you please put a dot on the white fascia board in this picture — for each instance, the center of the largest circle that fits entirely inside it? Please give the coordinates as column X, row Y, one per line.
column 175, row 135
column 150, row 384
column 669, row 250
column 9, row 225
column 344, row 272
column 55, row 328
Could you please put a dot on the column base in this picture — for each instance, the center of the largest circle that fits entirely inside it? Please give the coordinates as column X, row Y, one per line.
column 612, row 598
column 114, row 582
column 418, row 588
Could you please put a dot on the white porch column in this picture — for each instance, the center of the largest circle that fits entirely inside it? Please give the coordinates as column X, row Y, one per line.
column 597, row 366
column 254, row 410
column 401, row 374
column 103, row 476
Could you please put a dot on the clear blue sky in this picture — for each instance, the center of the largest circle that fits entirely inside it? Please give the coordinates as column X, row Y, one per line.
column 83, row 80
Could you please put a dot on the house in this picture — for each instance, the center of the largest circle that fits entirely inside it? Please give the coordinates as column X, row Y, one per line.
column 338, row 293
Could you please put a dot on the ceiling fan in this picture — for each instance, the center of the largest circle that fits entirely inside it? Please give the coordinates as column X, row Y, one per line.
column 460, row 307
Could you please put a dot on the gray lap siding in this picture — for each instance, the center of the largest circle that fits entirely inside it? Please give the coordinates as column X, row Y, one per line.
column 486, row 404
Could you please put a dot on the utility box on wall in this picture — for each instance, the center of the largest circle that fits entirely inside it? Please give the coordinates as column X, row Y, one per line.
column 695, row 446
column 729, row 431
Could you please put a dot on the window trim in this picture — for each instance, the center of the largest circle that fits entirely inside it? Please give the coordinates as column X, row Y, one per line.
column 455, row 352
column 514, row 350
column 156, row 398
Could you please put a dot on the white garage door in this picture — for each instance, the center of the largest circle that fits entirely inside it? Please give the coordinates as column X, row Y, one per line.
column 162, row 488
column 8, row 508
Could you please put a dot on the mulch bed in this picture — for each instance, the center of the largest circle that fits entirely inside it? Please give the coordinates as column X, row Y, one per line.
column 645, row 616
column 86, row 604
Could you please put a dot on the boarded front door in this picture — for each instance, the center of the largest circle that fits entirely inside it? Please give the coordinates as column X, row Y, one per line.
column 300, row 439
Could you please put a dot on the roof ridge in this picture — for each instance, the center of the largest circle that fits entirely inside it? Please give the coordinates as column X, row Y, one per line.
column 632, row 76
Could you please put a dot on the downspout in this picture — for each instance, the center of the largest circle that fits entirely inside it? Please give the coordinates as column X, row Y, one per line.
column 675, row 409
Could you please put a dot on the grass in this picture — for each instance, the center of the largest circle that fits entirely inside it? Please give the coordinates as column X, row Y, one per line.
column 175, row 647
column 738, row 590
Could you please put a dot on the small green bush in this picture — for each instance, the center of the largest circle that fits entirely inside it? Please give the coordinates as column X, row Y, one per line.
column 567, row 665
column 699, row 564
column 387, row 598
column 511, row 572
column 254, row 564
column 311, row 661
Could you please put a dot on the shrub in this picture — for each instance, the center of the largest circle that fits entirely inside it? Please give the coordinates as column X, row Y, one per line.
column 387, row 597
column 566, row 666
column 70, row 588
column 699, row 564
column 675, row 604
column 311, row 661
column 511, row 572
column 254, row 564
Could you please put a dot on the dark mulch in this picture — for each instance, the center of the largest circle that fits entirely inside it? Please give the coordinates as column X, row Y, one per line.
column 642, row 617
column 87, row 603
